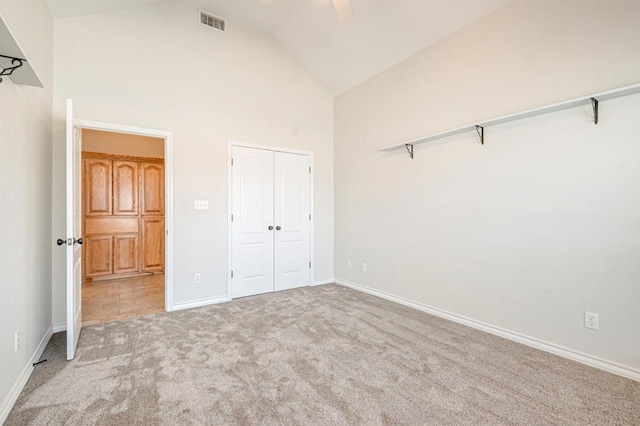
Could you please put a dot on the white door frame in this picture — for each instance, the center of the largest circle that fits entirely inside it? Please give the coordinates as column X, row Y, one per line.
column 233, row 143
column 168, row 192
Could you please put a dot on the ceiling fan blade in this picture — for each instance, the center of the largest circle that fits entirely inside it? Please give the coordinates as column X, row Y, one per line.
column 343, row 9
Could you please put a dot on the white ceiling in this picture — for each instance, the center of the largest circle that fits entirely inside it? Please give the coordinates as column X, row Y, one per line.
column 340, row 55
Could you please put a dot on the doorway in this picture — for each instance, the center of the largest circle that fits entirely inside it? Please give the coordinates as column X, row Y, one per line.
column 123, row 218
column 271, row 221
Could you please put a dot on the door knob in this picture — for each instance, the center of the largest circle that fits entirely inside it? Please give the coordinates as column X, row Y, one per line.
column 278, row 228
column 60, row 241
column 78, row 241
column 270, row 228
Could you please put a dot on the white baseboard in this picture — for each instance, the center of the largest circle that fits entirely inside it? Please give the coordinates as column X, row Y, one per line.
column 58, row 327
column 323, row 282
column 12, row 396
column 199, row 303
column 571, row 354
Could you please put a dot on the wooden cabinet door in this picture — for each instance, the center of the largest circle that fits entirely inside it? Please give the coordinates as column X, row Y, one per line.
column 97, row 255
column 152, row 244
column 125, row 254
column 97, row 187
column 152, row 188
column 125, row 188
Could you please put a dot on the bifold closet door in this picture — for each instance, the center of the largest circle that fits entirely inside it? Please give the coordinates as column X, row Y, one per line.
column 293, row 221
column 253, row 241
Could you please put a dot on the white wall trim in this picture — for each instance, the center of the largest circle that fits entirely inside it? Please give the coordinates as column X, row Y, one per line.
column 233, row 143
column 573, row 355
column 16, row 389
column 60, row 326
column 199, row 303
column 323, row 282
column 168, row 192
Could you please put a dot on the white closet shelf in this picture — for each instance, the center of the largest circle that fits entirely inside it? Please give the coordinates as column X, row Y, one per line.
column 479, row 126
column 13, row 62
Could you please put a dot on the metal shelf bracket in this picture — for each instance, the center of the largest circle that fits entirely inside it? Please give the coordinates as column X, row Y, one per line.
column 409, row 149
column 595, row 105
column 16, row 62
column 480, row 131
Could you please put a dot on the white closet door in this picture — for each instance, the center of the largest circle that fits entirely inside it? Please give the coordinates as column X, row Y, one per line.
column 253, row 242
column 292, row 210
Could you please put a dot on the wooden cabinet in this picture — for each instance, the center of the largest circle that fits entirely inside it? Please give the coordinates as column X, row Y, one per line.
column 152, row 244
column 125, row 254
column 97, row 187
column 152, row 188
column 98, row 251
column 125, row 188
column 123, row 215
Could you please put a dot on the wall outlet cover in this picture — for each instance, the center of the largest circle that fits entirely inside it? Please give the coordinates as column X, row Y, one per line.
column 591, row 320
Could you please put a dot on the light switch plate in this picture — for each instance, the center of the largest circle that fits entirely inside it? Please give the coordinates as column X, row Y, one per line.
column 201, row 205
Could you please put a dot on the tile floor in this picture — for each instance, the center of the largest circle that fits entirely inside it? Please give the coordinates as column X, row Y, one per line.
column 113, row 300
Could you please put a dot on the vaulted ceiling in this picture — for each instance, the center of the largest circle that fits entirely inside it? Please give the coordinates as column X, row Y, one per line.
column 340, row 55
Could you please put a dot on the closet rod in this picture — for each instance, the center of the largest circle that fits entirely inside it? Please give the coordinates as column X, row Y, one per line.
column 592, row 100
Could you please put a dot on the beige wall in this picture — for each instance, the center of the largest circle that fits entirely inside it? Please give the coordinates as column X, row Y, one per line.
column 25, row 188
column 535, row 227
column 122, row 144
column 156, row 67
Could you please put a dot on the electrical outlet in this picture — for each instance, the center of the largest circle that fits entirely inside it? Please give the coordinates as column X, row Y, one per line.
column 348, row 264
column 16, row 340
column 364, row 267
column 197, row 278
column 591, row 320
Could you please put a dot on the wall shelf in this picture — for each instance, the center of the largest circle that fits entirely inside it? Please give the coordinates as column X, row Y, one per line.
column 13, row 62
column 593, row 100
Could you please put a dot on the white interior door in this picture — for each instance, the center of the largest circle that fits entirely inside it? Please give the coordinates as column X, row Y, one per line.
column 74, row 232
column 293, row 221
column 252, row 226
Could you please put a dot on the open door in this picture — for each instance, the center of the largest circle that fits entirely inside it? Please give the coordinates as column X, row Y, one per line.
column 74, row 232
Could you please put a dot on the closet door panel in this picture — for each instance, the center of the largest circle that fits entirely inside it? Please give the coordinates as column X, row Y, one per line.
column 252, row 200
column 97, row 187
column 292, row 213
column 125, row 188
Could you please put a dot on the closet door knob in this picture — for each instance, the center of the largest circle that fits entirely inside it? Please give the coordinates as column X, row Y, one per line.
column 278, row 228
column 270, row 228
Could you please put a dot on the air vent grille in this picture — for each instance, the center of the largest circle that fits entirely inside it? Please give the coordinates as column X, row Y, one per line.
column 212, row 21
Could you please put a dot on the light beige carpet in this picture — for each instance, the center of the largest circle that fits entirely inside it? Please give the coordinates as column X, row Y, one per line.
column 323, row 355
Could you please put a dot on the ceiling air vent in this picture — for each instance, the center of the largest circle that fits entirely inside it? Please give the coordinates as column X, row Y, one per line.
column 212, row 21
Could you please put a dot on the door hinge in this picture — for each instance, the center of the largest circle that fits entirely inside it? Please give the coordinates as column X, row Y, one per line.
column 309, row 265
column 309, row 218
column 231, row 274
column 231, row 218
column 309, row 169
column 232, row 161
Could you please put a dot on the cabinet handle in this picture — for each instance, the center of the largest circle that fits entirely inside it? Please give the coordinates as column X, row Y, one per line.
column 278, row 228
